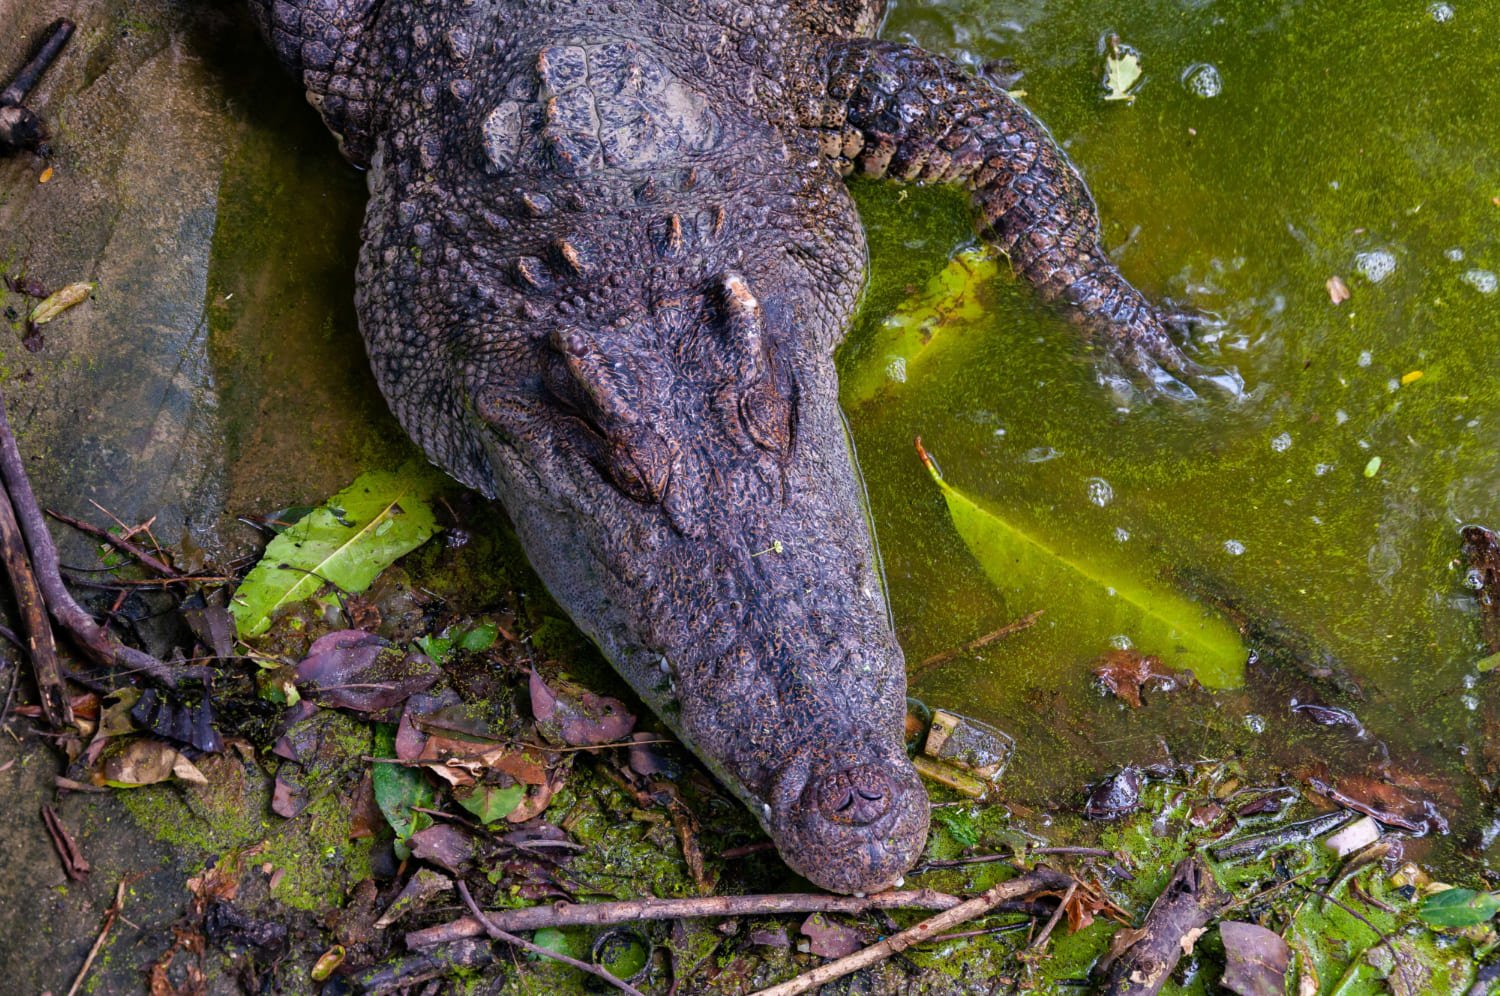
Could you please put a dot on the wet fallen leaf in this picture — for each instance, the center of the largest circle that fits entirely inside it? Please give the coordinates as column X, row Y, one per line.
column 1122, row 70
column 1459, row 908
column 1338, row 291
column 448, row 847
column 1180, row 631
column 329, row 960
column 146, row 762
column 352, row 669
column 1082, row 908
column 1126, row 672
column 951, row 298
column 398, row 789
column 829, row 939
column 491, row 803
column 60, row 301
column 347, row 542
column 1256, row 959
column 287, row 800
column 1329, row 715
column 568, row 714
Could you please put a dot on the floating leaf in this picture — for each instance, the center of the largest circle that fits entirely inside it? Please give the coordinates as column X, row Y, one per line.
column 60, row 301
column 952, row 296
column 359, row 533
column 1183, row 633
column 1338, row 291
column 1459, row 908
column 1122, row 70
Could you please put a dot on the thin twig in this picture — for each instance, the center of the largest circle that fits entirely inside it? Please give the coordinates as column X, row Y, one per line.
column 1015, row 626
column 1034, row 881
column 101, row 646
column 637, row 910
column 984, row 859
column 110, row 916
column 1062, row 906
column 500, row 935
column 41, row 649
column 128, row 547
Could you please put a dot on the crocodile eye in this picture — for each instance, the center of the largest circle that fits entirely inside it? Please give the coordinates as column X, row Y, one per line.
column 766, row 395
column 612, row 403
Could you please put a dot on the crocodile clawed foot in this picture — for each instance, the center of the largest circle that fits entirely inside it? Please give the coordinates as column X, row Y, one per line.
column 1157, row 364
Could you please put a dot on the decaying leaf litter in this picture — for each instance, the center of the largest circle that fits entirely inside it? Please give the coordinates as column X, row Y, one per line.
column 461, row 752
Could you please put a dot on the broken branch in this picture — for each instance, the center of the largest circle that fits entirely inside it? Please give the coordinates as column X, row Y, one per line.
column 637, row 910
column 39, row 644
column 1033, row 881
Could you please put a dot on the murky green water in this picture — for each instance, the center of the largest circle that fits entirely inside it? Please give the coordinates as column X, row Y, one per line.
column 1349, row 139
column 1345, row 140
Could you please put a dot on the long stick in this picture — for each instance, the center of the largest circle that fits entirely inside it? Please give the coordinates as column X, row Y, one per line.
column 110, row 916
column 100, row 645
column 525, row 945
column 38, row 628
column 1041, row 878
column 31, row 73
column 638, row 910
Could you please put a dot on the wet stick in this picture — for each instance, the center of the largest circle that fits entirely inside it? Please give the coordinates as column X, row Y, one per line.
column 1033, row 881
column 98, row 643
column 38, row 630
column 638, row 910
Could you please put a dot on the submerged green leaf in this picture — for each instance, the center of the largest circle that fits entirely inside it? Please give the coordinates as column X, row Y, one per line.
column 1183, row 633
column 347, row 542
column 905, row 338
column 1459, row 908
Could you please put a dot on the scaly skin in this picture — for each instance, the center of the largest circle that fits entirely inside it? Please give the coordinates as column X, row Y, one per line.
column 607, row 258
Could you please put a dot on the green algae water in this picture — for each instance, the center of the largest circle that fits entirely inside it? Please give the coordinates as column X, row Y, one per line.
column 1269, row 148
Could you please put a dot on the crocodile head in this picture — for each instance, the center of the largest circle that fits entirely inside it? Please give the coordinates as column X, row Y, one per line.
column 680, row 475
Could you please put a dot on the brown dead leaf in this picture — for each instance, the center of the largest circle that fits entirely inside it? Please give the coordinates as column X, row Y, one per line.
column 830, row 939
column 145, row 762
column 1125, row 673
column 538, row 798
column 567, row 713
column 1338, row 291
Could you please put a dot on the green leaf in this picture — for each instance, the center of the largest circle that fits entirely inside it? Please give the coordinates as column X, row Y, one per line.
column 347, row 542
column 1489, row 663
column 1459, row 908
column 437, row 648
column 490, row 803
column 1183, row 633
column 481, row 637
column 554, row 940
column 398, row 788
column 953, row 296
column 1122, row 70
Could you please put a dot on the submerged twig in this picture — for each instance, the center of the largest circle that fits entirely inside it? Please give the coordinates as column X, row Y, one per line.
column 536, row 949
column 99, row 644
column 637, row 910
column 1033, row 881
column 1292, row 833
column 1015, row 626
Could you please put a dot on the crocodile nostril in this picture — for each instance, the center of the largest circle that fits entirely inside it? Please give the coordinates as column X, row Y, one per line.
column 855, row 796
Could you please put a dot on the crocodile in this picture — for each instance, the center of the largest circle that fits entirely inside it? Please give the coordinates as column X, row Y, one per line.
column 607, row 257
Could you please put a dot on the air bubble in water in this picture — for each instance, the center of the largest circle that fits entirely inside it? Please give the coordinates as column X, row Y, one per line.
column 1441, row 12
column 1375, row 265
column 1484, row 281
column 1100, row 493
column 1282, row 443
column 1202, row 79
column 1234, row 547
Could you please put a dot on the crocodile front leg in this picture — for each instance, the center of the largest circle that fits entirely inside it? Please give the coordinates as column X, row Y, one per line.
column 900, row 112
column 326, row 44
